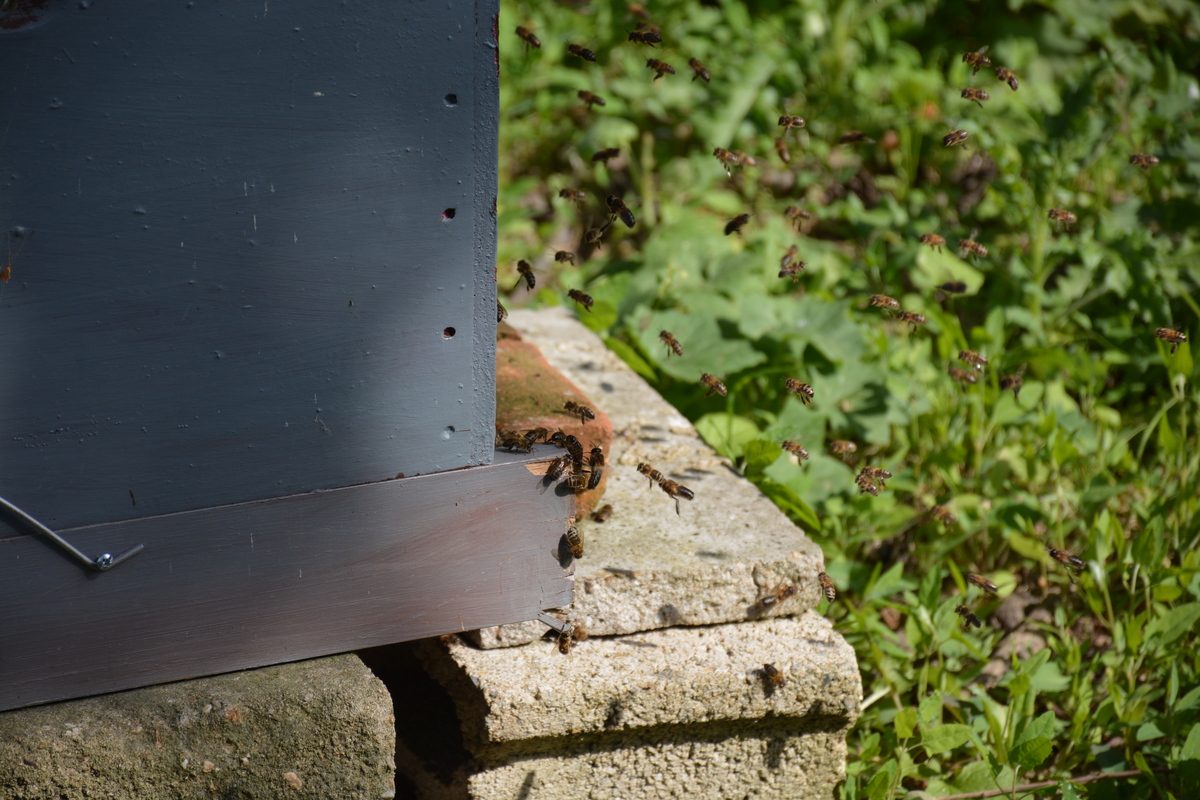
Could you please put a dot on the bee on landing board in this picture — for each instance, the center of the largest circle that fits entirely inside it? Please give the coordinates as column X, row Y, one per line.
column 773, row 599
column 1143, row 160
column 574, row 541
column 974, row 359
column 660, row 67
column 529, row 39
column 975, row 96
column 1065, row 558
column 801, row 390
column 591, row 99
column 583, row 411
column 570, row 634
column 968, row 618
column 1171, row 337
column 698, row 67
column 526, row 273
column 885, row 302
column 977, row 60
column 795, row 449
column 673, row 345
column 557, row 467
column 713, row 385
column 933, row 240
column 602, row 513
column 1006, row 76
column 981, row 582
column 617, row 207
column 827, row 586
column 581, row 298
column 501, row 312
column 581, row 52
column 595, row 467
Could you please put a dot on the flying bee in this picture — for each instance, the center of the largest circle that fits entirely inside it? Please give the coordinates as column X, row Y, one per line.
column 968, row 618
column 933, row 240
column 969, row 245
column 593, row 236
column 792, row 271
column 650, row 472
column 735, row 225
column 1014, row 382
column 645, row 37
column 982, row 583
column 501, row 312
column 698, row 67
column 866, row 485
column 1143, row 160
column 955, row 138
column 885, row 302
column 557, row 467
column 575, row 541
column 974, row 359
column 713, row 385
column 781, row 148
column 728, row 159
column 595, row 468
column 854, row 137
column 673, row 345
column 827, row 586
column 581, row 52
column 961, row 375
column 943, row 515
column 795, row 449
column 775, row 678
column 953, row 287
column 583, row 411
column 801, row 390
column 529, row 39
column 911, row 317
column 1063, row 216
column 771, row 600
column 581, row 298
column 975, row 95
column 1065, row 558
column 677, row 490
column 840, row 447
column 575, row 195
column 977, row 60
column 796, row 214
column 604, row 156
column 1007, row 76
column 564, row 255
column 591, row 99
column 1171, row 337
column 660, row 67
column 787, row 122
column 602, row 513
column 791, row 253
column 744, row 159
column 526, row 272
column 617, row 207
column 876, row 474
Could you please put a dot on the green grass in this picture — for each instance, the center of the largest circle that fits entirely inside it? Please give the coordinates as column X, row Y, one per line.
column 1098, row 455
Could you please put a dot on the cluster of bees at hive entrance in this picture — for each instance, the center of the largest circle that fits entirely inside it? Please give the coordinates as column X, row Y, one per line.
column 598, row 215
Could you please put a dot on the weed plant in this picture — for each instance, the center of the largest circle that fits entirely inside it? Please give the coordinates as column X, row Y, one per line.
column 1072, row 675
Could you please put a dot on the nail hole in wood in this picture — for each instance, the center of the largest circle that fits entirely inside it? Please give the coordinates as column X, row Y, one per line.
column 451, row 99
column 448, row 333
column 448, row 213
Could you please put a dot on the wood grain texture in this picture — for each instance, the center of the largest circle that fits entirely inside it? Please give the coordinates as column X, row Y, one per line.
column 240, row 279
column 284, row 579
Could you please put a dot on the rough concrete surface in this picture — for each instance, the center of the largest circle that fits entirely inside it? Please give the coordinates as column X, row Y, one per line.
column 648, row 567
column 313, row 729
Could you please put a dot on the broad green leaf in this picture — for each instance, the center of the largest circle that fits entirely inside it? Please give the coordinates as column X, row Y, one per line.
column 759, row 454
column 727, row 433
column 632, row 358
column 1039, row 727
column 600, row 318
column 1149, row 731
column 1174, row 624
column 941, row 739
column 888, row 584
column 1031, row 753
column 906, row 723
column 791, row 504
column 1067, row 790
column 929, row 712
column 1191, row 746
column 881, row 782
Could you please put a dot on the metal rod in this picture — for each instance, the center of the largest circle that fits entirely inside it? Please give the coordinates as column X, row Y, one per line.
column 101, row 563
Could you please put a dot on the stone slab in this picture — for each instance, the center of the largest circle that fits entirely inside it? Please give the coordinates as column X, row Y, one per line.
column 648, row 567
column 313, row 729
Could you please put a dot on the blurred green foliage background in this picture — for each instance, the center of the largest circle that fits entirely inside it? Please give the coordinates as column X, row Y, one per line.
column 1098, row 453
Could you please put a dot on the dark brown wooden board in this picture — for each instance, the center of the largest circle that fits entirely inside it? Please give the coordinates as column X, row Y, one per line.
column 259, row 583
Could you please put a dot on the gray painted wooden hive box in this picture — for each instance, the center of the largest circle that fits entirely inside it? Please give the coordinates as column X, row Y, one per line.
column 249, row 324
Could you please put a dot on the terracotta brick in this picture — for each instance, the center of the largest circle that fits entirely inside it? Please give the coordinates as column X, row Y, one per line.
column 530, row 394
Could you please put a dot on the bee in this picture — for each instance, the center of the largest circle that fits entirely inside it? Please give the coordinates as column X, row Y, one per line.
column 573, row 194
column 981, row 582
column 744, row 159
column 796, row 214
column 575, row 449
column 853, row 137
column 566, row 638
column 974, row 359
column 840, row 447
column 866, row 485
column 677, row 490
column 602, row 513
column 954, row 287
column 1007, row 76
column 969, row 245
column 975, row 95
column 728, row 159
column 787, row 257
column 575, row 541
column 795, row 449
column 827, row 586
column 713, row 385
column 876, row 474
column 526, row 272
column 968, row 618
column 564, row 255
column 977, row 60
column 735, row 225
column 955, row 138
column 593, row 236
column 962, row 376
column 773, row 676
column 583, row 411
column 1014, row 382
column 512, row 441
column 529, row 39
column 581, row 298
column 649, row 37
column 788, row 122
column 943, row 515
column 595, row 468
column 1143, row 160
column 1060, row 215
column 911, row 317
column 557, row 467
column 792, row 271
column 617, row 208
column 1065, row 558
column 673, row 345
column 604, row 156
column 933, row 240
column 650, row 472
column 501, row 312
column 781, row 148
column 1171, row 337
column 581, row 52
column 591, row 99
column 801, row 390
column 883, row 301
column 534, row 436
column 698, row 67
column 660, row 67
column 769, row 601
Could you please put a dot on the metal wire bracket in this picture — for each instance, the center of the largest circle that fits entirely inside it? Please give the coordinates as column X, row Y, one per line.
column 101, row 563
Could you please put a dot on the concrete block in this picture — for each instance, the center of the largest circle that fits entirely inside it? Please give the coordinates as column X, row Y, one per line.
column 648, row 567
column 312, row 729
